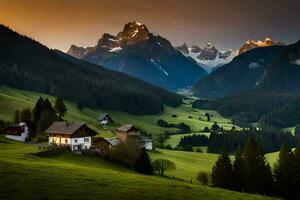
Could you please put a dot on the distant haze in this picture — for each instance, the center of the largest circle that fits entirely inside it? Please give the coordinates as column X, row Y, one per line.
column 226, row 23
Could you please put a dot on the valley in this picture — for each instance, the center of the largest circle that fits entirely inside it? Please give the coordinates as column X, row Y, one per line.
column 184, row 103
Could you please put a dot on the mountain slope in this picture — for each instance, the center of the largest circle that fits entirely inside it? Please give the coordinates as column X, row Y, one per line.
column 242, row 74
column 26, row 64
column 139, row 53
column 261, row 85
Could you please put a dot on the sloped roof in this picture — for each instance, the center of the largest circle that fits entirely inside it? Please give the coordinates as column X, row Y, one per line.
column 113, row 141
column 125, row 127
column 64, row 128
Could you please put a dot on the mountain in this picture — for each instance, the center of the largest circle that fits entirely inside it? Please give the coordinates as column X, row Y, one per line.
column 27, row 64
column 209, row 57
column 139, row 53
column 261, row 85
column 243, row 73
column 251, row 44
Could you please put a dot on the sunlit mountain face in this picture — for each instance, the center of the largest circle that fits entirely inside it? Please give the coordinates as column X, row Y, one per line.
column 251, row 44
column 144, row 55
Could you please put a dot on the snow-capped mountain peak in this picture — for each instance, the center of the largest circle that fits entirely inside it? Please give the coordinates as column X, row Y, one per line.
column 208, row 57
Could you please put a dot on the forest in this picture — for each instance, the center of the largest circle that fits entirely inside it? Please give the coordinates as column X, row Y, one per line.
column 28, row 65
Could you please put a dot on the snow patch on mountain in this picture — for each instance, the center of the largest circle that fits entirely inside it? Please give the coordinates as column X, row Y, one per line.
column 208, row 57
column 296, row 62
column 115, row 49
column 159, row 67
column 254, row 65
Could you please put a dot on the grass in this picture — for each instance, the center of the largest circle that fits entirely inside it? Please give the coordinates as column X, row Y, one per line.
column 188, row 164
column 69, row 176
column 14, row 99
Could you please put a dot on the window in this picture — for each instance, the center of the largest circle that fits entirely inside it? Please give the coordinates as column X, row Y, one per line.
column 66, row 141
column 76, row 141
column 86, row 139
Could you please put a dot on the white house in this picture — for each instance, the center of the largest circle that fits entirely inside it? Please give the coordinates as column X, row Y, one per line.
column 19, row 132
column 77, row 136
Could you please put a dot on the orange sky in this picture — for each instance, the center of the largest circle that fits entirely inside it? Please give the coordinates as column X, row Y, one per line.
column 228, row 23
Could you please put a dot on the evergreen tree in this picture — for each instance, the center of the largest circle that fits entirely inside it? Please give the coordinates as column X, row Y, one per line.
column 237, row 171
column 60, row 108
column 47, row 105
column 222, row 171
column 46, row 119
column 16, row 116
column 143, row 163
column 257, row 172
column 215, row 127
column 297, row 171
column 284, row 173
column 38, row 109
column 25, row 115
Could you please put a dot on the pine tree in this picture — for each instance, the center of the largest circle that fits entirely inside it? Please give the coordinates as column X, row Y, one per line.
column 297, row 171
column 38, row 109
column 60, row 108
column 284, row 173
column 257, row 172
column 47, row 105
column 25, row 115
column 237, row 171
column 16, row 116
column 46, row 119
column 143, row 163
column 222, row 171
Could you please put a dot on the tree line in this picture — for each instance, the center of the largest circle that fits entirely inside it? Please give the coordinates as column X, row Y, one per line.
column 251, row 173
column 194, row 140
column 269, row 109
column 41, row 116
column 270, row 139
column 184, row 128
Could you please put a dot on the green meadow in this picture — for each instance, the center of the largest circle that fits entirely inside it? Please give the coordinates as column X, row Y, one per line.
column 14, row 99
column 70, row 176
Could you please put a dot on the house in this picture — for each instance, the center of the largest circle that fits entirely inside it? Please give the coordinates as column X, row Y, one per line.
column 77, row 136
column 19, row 132
column 126, row 131
column 129, row 131
column 105, row 119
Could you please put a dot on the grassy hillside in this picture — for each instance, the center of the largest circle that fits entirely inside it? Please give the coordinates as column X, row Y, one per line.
column 12, row 99
column 69, row 176
column 185, row 113
column 188, row 164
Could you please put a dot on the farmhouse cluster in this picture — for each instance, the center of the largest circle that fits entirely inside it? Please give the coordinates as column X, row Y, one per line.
column 78, row 136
